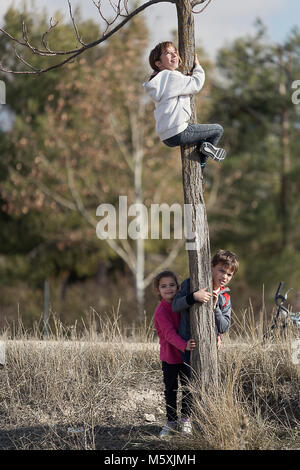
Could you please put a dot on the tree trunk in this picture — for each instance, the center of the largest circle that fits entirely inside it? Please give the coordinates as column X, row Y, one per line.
column 285, row 157
column 204, row 357
column 138, row 157
column 285, row 169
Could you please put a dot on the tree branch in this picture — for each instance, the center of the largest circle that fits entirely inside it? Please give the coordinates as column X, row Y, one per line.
column 198, row 3
column 122, row 147
column 126, row 253
column 72, row 54
column 167, row 262
column 74, row 25
column 52, row 26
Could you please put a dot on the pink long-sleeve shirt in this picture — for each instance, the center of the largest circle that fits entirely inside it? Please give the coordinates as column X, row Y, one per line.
column 166, row 324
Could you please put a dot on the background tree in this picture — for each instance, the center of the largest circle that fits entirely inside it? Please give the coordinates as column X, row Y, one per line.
column 29, row 240
column 256, row 207
column 205, row 358
column 252, row 198
column 87, row 130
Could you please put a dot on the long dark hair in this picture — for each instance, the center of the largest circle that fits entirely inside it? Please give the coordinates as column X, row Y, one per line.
column 159, row 276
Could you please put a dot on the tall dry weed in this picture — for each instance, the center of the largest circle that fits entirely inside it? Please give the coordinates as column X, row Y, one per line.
column 56, row 393
column 71, row 380
column 257, row 403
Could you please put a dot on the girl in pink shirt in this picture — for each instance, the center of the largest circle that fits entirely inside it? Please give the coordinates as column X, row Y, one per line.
column 166, row 323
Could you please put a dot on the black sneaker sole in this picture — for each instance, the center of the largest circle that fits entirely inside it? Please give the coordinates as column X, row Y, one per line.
column 215, row 153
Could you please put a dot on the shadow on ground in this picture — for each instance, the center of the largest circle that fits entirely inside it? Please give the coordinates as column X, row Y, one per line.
column 128, row 437
column 117, row 437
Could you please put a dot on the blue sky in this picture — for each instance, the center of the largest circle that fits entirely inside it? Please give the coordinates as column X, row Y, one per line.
column 280, row 23
column 220, row 23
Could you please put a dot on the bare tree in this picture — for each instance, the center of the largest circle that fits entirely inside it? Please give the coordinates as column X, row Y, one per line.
column 136, row 261
column 204, row 358
column 119, row 9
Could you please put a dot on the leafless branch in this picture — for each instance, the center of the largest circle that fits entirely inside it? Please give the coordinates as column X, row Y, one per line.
column 53, row 195
column 76, row 196
column 52, row 26
column 121, row 11
column 130, row 253
column 79, row 39
column 195, row 3
column 126, row 253
column 116, row 135
column 167, row 262
column 117, row 8
column 24, row 61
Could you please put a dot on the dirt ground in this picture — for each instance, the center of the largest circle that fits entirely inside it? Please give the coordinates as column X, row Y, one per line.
column 130, row 418
column 133, row 423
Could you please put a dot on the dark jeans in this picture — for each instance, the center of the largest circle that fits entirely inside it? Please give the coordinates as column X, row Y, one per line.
column 171, row 373
column 196, row 134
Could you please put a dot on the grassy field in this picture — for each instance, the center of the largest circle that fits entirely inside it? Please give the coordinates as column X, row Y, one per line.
column 102, row 390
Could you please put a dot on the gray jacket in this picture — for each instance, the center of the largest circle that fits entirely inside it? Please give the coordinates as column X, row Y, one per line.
column 184, row 300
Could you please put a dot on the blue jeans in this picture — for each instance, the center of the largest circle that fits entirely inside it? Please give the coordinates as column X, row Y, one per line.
column 196, row 134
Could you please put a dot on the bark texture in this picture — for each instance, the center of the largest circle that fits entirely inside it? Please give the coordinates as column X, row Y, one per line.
column 204, row 357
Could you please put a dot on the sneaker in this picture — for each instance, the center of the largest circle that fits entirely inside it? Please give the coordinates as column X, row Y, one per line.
column 215, row 153
column 186, row 426
column 168, row 429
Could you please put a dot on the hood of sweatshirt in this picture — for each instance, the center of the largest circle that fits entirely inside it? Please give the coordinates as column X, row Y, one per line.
column 223, row 290
column 157, row 86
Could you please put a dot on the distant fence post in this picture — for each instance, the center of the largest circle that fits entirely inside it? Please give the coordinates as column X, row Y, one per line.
column 2, row 92
column 2, row 354
column 46, row 308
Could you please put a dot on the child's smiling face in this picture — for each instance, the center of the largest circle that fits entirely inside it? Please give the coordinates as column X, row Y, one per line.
column 167, row 288
column 169, row 59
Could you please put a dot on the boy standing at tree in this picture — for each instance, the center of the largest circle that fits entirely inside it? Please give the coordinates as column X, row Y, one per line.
column 224, row 265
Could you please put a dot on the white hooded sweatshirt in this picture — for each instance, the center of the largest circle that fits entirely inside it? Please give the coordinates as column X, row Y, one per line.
column 170, row 91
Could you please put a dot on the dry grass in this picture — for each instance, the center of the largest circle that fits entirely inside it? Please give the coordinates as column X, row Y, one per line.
column 95, row 390
column 257, row 403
